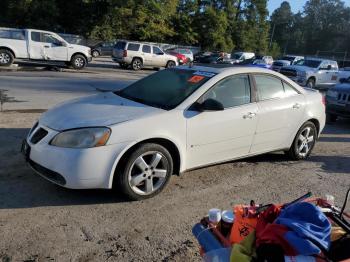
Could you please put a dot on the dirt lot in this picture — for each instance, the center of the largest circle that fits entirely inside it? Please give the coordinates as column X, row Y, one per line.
column 43, row 222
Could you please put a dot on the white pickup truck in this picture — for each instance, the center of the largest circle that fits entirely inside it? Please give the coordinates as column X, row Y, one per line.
column 313, row 72
column 43, row 46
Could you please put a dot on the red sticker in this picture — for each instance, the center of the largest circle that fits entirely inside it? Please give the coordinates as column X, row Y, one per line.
column 195, row 79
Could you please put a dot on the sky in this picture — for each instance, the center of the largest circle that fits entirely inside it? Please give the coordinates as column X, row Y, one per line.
column 297, row 5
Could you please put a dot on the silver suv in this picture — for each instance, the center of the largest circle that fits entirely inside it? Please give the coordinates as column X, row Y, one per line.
column 139, row 55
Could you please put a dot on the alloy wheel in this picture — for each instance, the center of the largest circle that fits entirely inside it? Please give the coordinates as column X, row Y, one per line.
column 79, row 62
column 4, row 58
column 306, row 141
column 136, row 65
column 148, row 173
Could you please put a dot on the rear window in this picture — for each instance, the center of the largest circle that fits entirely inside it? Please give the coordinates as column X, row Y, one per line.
column 12, row 34
column 133, row 47
column 120, row 45
column 167, row 88
column 146, row 49
column 35, row 36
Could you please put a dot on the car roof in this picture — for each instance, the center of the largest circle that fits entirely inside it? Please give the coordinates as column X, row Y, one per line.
column 319, row 59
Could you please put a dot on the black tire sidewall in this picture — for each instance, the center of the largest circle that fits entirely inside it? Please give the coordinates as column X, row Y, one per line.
column 74, row 58
column 11, row 57
column 293, row 151
column 95, row 52
column 122, row 175
column 168, row 65
column 133, row 61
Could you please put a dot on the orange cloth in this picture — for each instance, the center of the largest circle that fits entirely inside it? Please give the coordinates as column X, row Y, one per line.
column 244, row 224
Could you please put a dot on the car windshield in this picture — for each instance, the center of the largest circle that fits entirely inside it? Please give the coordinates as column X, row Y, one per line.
column 165, row 89
column 309, row 63
column 288, row 58
column 237, row 56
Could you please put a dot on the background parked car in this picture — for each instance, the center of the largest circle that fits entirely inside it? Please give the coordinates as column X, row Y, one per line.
column 338, row 101
column 182, row 59
column 41, row 47
column 285, row 61
column 212, row 58
column 184, row 51
column 239, row 57
column 344, row 73
column 313, row 72
column 103, row 49
column 139, row 55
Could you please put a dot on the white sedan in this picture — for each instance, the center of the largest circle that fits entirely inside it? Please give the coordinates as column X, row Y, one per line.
column 172, row 121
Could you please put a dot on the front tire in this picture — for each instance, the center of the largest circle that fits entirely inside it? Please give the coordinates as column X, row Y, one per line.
column 303, row 142
column 78, row 62
column 145, row 172
column 6, row 57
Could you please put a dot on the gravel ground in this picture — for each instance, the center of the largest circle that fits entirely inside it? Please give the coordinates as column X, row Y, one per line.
column 43, row 222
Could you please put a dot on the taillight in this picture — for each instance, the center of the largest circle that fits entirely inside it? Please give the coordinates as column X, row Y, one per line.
column 323, row 99
column 125, row 53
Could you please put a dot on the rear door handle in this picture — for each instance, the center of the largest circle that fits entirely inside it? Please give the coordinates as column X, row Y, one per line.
column 250, row 115
column 296, row 106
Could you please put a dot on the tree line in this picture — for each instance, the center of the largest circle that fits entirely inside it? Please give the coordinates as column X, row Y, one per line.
column 224, row 25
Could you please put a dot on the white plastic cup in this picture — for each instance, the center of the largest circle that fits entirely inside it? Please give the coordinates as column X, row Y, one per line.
column 215, row 215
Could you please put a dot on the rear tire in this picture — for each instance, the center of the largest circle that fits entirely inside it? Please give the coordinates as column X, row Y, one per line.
column 6, row 57
column 304, row 142
column 78, row 62
column 170, row 64
column 145, row 172
column 95, row 53
column 331, row 118
column 136, row 64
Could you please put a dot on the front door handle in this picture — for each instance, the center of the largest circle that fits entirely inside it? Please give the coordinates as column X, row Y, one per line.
column 46, row 46
column 250, row 115
column 296, row 106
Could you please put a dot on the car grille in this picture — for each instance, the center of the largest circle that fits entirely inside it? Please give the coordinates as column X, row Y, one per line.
column 342, row 97
column 288, row 72
column 38, row 135
column 49, row 174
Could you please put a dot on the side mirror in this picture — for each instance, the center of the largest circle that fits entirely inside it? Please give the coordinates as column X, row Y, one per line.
column 209, row 105
column 329, row 67
column 160, row 53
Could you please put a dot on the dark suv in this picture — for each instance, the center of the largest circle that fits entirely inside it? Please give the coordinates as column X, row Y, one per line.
column 338, row 101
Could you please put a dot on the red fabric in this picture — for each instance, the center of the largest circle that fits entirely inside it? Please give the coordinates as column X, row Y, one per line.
column 269, row 233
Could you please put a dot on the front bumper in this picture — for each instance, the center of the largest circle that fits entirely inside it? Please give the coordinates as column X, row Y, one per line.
column 338, row 109
column 73, row 168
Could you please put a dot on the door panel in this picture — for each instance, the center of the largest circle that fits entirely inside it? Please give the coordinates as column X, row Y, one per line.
column 158, row 58
column 36, row 47
column 147, row 55
column 222, row 135
column 281, row 109
column 54, row 49
column 218, row 136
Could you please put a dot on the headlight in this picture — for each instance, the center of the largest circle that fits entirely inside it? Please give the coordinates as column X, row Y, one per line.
column 332, row 93
column 82, row 138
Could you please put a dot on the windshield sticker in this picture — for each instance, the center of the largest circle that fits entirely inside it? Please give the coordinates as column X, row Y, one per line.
column 206, row 74
column 195, row 79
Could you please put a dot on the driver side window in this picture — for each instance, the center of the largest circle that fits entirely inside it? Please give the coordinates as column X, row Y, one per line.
column 47, row 38
column 157, row 51
column 231, row 91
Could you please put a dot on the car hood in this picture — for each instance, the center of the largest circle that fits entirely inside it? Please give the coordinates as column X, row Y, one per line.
column 80, row 47
column 344, row 88
column 99, row 110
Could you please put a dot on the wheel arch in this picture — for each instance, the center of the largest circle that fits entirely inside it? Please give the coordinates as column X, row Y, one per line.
column 316, row 123
column 79, row 53
column 313, row 78
column 165, row 142
column 137, row 57
column 9, row 49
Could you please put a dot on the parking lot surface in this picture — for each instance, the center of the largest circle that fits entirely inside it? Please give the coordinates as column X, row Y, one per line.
column 43, row 222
